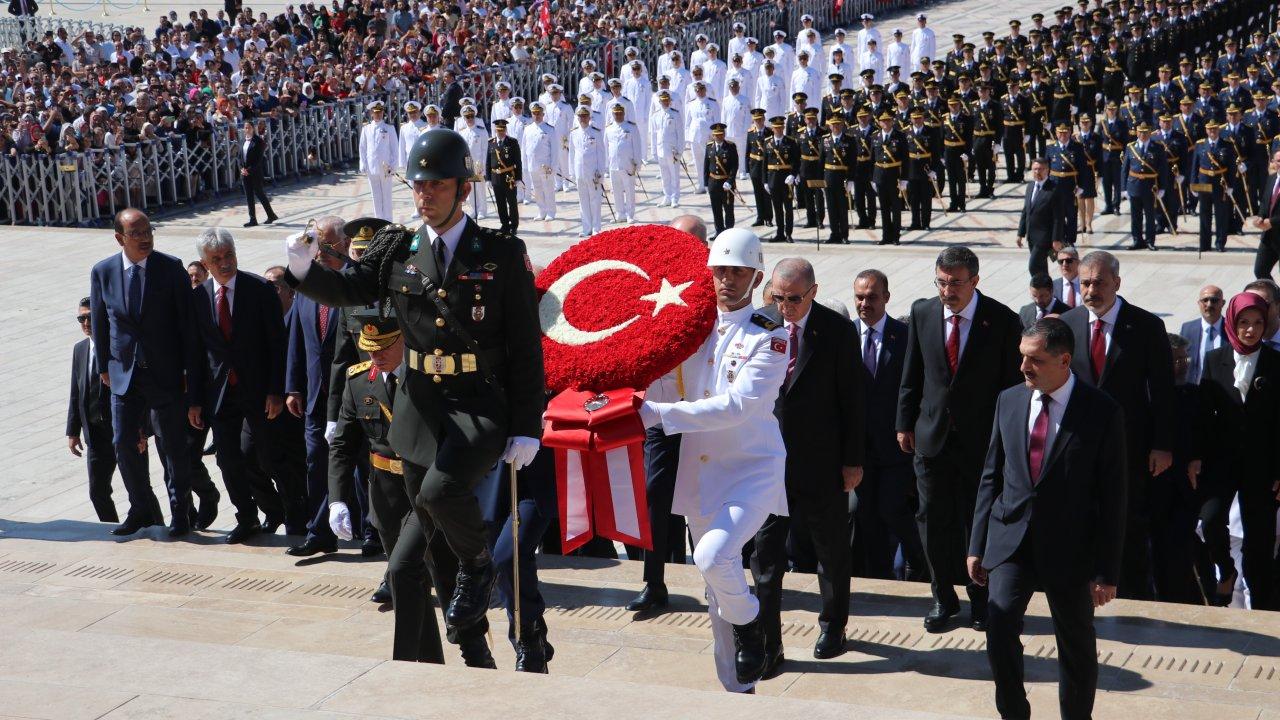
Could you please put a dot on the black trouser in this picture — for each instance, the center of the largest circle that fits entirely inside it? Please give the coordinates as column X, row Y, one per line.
column 389, row 506
column 1071, row 606
column 1135, row 566
column 764, row 206
column 100, row 457
column 1035, row 140
column 1142, row 218
column 837, row 209
column 984, row 158
column 504, row 196
column 1065, row 194
column 721, row 204
column 1038, row 262
column 253, row 190
column 955, row 177
column 662, row 459
column 1214, row 493
column 864, row 198
column 1215, row 209
column 248, row 487
column 1258, row 518
column 947, row 490
column 1174, row 512
column 1015, row 155
column 288, row 468
column 920, row 197
column 1268, row 254
column 890, row 212
column 169, row 423
column 824, row 521
column 1111, row 185
column 783, row 217
column 882, row 514
column 1257, row 176
column 814, row 205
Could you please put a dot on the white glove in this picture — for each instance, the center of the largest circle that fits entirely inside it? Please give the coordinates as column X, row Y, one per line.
column 299, row 253
column 520, row 450
column 1160, row 194
column 1079, row 192
column 1243, row 168
column 649, row 415
column 1230, row 190
column 766, row 188
column 1074, row 109
column 964, row 157
column 848, row 186
column 1097, row 97
column 1124, row 194
column 386, row 169
column 727, row 186
column 340, row 520
column 999, row 148
column 902, row 184
column 791, row 180
column 596, row 177
column 330, row 431
column 1179, row 178
column 933, row 175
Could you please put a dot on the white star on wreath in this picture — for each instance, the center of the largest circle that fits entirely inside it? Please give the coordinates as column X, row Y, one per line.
column 667, row 294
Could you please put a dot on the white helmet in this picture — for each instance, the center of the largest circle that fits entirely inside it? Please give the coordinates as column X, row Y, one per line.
column 736, row 247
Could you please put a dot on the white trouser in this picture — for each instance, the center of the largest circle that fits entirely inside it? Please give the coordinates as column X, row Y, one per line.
column 669, row 169
column 561, row 183
column 642, row 124
column 623, row 185
column 544, row 190
column 717, row 551
column 699, row 148
column 589, row 205
column 741, row 143
column 479, row 199
column 380, row 185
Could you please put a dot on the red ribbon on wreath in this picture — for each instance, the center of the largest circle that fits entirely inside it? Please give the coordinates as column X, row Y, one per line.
column 618, row 311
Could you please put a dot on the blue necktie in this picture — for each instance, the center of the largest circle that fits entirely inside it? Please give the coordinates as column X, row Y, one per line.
column 135, row 291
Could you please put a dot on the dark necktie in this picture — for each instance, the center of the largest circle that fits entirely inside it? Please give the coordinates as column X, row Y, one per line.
column 1098, row 349
column 224, row 324
column 792, row 344
column 869, row 352
column 1036, row 445
column 953, row 345
column 322, row 320
column 1275, row 194
column 391, row 385
column 437, row 247
column 135, row 291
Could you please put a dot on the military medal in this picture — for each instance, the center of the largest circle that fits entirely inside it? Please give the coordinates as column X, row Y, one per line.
column 477, row 313
column 730, row 377
column 411, row 269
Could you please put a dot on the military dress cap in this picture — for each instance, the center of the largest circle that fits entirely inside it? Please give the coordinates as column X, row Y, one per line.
column 1184, row 60
column 582, row 110
column 433, row 110
column 988, row 34
column 755, row 112
column 500, row 124
column 957, row 37
column 799, row 97
column 885, row 116
column 902, row 94
column 867, row 73
column 439, row 154
column 1166, row 118
column 1213, row 124
column 835, row 76
column 1206, row 86
column 1063, row 127
column 1111, row 104
column 1233, row 75
column 377, row 105
column 664, row 94
column 1186, row 101
column 1135, row 90
column 1144, row 127
column 863, row 112
column 503, row 85
column 810, row 113
column 835, row 120
column 1233, row 109
column 953, row 100
column 1015, row 23
column 412, row 106
column 847, row 92
column 517, row 101
column 1037, row 17
column 468, row 111
column 361, row 231
column 1086, row 118
column 916, row 113
column 893, row 69
column 777, row 121
column 615, row 82
column 376, row 332
column 717, row 128
column 536, row 106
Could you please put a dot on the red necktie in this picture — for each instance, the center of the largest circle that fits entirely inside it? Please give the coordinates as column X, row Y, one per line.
column 792, row 344
column 1098, row 349
column 224, row 324
column 953, row 345
column 322, row 317
column 1039, row 439
column 1274, row 195
column 1069, row 294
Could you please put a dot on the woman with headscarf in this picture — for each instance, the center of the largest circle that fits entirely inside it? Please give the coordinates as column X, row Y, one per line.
column 1240, row 399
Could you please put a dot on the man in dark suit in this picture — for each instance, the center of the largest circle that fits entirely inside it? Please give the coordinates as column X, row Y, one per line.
column 313, row 329
column 144, row 343
column 89, row 414
column 1067, row 287
column 821, row 414
column 1204, row 334
column 242, row 385
column 1042, row 301
column 451, row 103
column 883, row 506
column 1269, row 244
column 1050, row 515
column 1123, row 350
column 962, row 350
column 253, row 170
column 1041, row 221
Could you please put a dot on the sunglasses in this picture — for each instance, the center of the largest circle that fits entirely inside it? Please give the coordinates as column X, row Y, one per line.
column 82, row 319
column 792, row 299
column 1067, row 261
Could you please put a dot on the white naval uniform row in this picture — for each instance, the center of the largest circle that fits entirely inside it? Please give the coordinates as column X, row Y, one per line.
column 587, row 163
column 478, row 141
column 622, row 141
column 732, row 460
column 379, row 156
column 666, row 140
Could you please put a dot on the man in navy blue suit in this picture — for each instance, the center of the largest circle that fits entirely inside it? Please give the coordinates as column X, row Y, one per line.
column 313, row 329
column 1050, row 515
column 242, row 385
column 145, row 342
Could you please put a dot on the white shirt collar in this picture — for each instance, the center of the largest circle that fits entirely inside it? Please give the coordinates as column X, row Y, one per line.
column 966, row 313
column 878, row 326
column 451, row 237
column 1061, row 395
column 1205, row 326
column 129, row 263
column 801, row 322
column 1110, row 317
column 231, row 285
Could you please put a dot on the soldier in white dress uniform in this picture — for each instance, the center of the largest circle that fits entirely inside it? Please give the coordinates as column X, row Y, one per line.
column 698, row 117
column 379, row 148
column 666, row 139
column 622, row 140
column 541, row 162
column 559, row 115
column 586, row 160
column 410, row 129
column 730, row 473
column 478, row 141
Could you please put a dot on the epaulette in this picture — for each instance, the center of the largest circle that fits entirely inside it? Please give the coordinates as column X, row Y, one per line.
column 359, row 368
column 765, row 321
column 1200, row 141
column 710, row 143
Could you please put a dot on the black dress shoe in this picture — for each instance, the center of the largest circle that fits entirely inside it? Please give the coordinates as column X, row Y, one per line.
column 476, row 653
column 382, row 595
column 749, row 656
column 242, row 532
column 251, row 223
column 177, row 531
column 758, row 223
column 936, row 620
column 471, row 595
column 129, row 527
column 830, row 644
column 978, row 619
column 208, row 512
column 271, row 525
column 531, row 656
column 312, row 546
column 652, row 597
column 370, row 548
column 271, row 219
column 772, row 664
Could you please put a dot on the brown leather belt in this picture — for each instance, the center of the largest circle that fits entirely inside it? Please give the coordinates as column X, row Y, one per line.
column 1062, row 173
column 386, row 464
column 835, row 167
column 1142, row 176
column 954, row 143
column 888, row 165
column 779, row 167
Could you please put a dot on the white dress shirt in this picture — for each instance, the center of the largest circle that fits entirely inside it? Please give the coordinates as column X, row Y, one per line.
column 1108, row 323
column 231, row 296
column 1057, row 408
column 1246, row 366
column 451, row 237
column 966, row 322
column 877, row 340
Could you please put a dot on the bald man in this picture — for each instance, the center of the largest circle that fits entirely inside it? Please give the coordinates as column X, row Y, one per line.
column 1205, row 332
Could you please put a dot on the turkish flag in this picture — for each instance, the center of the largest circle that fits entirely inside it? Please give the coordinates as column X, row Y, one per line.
column 544, row 16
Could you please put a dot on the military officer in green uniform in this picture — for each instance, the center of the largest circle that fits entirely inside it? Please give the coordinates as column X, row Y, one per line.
column 472, row 390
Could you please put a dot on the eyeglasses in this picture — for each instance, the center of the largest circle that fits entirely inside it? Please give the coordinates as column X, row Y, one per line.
column 792, row 299
column 1067, row 261
column 82, row 319
column 953, row 284
column 1211, row 300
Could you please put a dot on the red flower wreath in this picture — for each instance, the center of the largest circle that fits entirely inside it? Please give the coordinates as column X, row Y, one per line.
column 622, row 308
